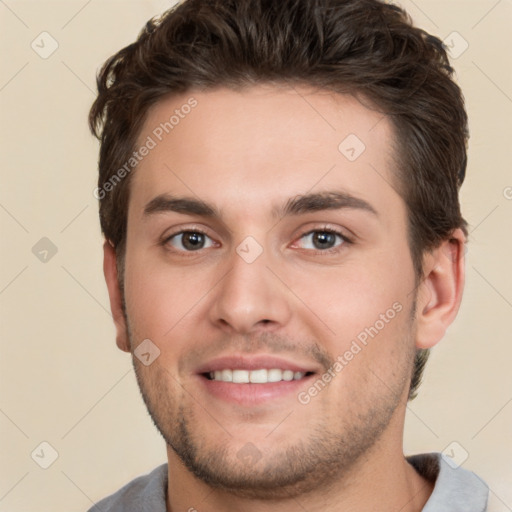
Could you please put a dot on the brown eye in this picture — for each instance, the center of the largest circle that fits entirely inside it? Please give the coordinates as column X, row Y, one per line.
column 324, row 240
column 190, row 241
column 321, row 240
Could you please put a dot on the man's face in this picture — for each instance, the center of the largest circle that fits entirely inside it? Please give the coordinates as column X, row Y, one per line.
column 272, row 253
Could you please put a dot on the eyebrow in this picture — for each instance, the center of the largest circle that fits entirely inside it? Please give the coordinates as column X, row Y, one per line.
column 323, row 201
column 298, row 205
column 166, row 203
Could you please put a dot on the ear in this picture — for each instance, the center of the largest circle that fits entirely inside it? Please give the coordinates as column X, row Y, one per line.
column 440, row 293
column 110, row 272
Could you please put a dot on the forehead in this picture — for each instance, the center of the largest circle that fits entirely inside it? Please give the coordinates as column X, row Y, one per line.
column 260, row 146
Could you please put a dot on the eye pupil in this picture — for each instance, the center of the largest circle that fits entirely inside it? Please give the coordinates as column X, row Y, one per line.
column 324, row 239
column 192, row 240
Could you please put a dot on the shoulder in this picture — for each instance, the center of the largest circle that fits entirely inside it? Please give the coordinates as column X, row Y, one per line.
column 455, row 489
column 144, row 493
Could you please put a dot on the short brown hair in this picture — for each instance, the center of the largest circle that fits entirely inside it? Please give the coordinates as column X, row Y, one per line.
column 364, row 47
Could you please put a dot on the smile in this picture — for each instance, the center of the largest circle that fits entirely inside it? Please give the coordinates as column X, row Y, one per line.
column 258, row 376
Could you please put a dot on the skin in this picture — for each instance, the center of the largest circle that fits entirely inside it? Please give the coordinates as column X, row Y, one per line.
column 247, row 154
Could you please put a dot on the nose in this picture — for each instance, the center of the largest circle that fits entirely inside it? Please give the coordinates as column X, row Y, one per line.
column 249, row 298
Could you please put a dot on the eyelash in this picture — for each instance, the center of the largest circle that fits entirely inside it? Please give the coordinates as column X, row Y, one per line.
column 345, row 240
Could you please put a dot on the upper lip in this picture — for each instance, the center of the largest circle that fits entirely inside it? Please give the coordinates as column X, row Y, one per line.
column 255, row 362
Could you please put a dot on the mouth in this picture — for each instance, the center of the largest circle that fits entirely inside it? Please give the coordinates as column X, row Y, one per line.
column 259, row 376
column 254, row 380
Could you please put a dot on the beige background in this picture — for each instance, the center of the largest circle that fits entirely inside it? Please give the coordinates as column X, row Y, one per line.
column 63, row 381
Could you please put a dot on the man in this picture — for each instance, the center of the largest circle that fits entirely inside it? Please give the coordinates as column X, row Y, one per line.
column 279, row 196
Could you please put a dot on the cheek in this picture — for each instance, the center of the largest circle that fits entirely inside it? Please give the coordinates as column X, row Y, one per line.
column 161, row 299
column 351, row 298
column 360, row 309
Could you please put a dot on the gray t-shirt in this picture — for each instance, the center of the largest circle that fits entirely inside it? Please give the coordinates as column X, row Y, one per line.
column 455, row 490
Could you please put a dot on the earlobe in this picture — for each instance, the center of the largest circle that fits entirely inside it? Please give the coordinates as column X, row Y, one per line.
column 440, row 293
column 110, row 272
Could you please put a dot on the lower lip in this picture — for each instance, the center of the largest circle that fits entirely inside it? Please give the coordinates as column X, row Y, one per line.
column 254, row 394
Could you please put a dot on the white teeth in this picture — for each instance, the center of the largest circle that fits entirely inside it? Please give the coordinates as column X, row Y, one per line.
column 275, row 375
column 261, row 376
column 227, row 376
column 288, row 375
column 258, row 376
column 240, row 376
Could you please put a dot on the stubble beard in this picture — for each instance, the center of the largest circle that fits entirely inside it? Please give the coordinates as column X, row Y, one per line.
column 326, row 457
